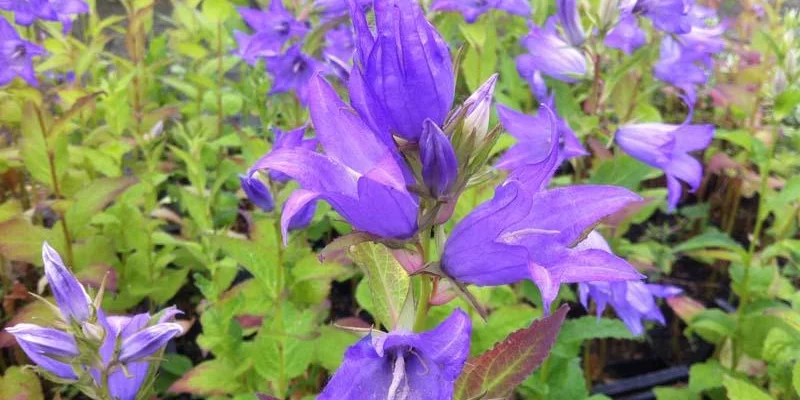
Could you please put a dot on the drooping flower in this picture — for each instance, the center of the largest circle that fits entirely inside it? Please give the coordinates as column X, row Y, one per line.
column 16, row 56
column 633, row 301
column 404, row 365
column 287, row 140
column 667, row 15
column 292, row 71
column 257, row 192
column 570, row 20
column 626, row 35
column 403, row 73
column 71, row 297
column 359, row 175
column 439, row 162
column 472, row 9
column 550, row 54
column 527, row 233
column 667, row 147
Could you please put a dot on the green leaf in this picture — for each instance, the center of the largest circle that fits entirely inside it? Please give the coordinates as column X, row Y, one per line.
column 712, row 239
column 34, row 146
column 786, row 102
column 585, row 328
column 21, row 241
column 92, row 199
column 495, row 373
column 622, row 170
column 796, row 378
column 671, row 393
column 208, row 379
column 742, row 390
column 20, row 384
column 10, row 209
column 260, row 259
column 705, row 376
column 500, row 324
column 330, row 346
column 285, row 346
column 217, row 11
column 388, row 281
column 713, row 325
column 480, row 58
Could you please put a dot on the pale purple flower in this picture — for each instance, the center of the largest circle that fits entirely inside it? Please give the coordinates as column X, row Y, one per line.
column 276, row 22
column 47, row 348
column 472, row 9
column 403, row 73
column 667, row 15
column 404, row 365
column 439, row 162
column 667, row 147
column 633, row 301
column 362, row 177
column 257, row 192
column 71, row 297
column 292, row 71
column 525, row 233
column 626, row 35
column 16, row 56
column 550, row 54
column 570, row 20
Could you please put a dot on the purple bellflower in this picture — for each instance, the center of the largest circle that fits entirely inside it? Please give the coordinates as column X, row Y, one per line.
column 570, row 20
column 633, row 301
column 550, row 54
column 292, row 71
column 126, row 341
column 626, row 35
column 403, row 73
column 276, row 25
column 439, row 162
column 339, row 43
column 66, row 10
column 667, row 147
column 287, row 140
column 359, row 175
column 404, row 365
column 27, row 11
column 472, row 9
column 257, row 192
column 332, row 9
column 16, row 56
column 528, row 233
column 670, row 16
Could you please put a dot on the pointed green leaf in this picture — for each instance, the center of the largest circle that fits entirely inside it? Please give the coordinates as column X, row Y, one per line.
column 742, row 390
column 20, row 384
column 92, row 199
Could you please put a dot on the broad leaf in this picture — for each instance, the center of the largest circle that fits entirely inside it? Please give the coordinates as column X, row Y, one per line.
column 742, row 390
column 388, row 281
column 92, row 199
column 20, row 384
column 495, row 373
column 209, row 378
column 21, row 241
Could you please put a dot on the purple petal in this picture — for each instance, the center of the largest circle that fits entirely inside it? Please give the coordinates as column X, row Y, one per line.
column 71, row 297
column 39, row 343
column 148, row 341
column 439, row 162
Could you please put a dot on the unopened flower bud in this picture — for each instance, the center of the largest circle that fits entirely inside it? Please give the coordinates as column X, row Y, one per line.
column 439, row 162
column 148, row 341
column 93, row 331
column 257, row 192
column 71, row 297
column 608, row 12
column 779, row 81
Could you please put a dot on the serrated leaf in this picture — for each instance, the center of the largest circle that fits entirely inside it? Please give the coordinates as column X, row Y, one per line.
column 388, row 281
column 742, row 390
column 20, row 384
column 495, row 373
column 260, row 259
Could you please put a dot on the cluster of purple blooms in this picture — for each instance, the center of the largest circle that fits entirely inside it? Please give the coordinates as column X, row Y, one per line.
column 277, row 40
column 106, row 356
column 28, row 11
column 401, row 93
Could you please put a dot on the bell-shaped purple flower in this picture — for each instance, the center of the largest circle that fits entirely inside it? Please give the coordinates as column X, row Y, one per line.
column 252, row 48
column 292, row 71
column 257, row 192
column 47, row 347
column 439, row 162
column 148, row 341
column 570, row 20
column 359, row 175
column 16, row 56
column 403, row 74
column 71, row 297
column 626, row 35
column 667, row 147
column 633, row 301
column 670, row 16
column 472, row 9
column 533, row 134
column 332, row 9
column 27, row 11
column 288, row 140
column 550, row 54
column 275, row 26
column 530, row 234
column 404, row 365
